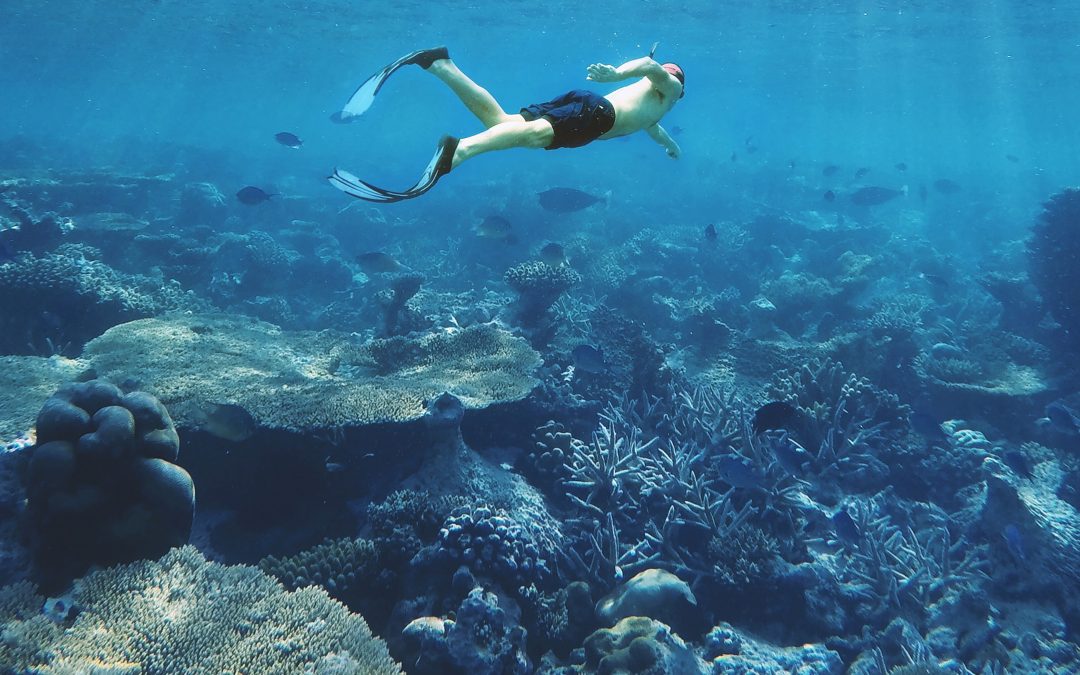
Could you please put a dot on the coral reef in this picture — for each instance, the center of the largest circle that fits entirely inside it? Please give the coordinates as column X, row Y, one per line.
column 102, row 483
column 538, row 286
column 66, row 284
column 1052, row 253
column 635, row 644
column 182, row 614
column 298, row 381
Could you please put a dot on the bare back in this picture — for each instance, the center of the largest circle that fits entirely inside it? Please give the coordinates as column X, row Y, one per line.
column 638, row 106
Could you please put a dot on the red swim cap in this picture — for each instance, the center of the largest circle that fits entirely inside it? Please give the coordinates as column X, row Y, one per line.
column 676, row 71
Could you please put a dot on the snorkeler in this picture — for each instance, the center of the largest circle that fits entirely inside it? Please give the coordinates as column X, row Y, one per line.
column 572, row 120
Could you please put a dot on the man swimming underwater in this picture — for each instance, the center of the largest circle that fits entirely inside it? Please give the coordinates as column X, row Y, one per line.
column 572, row 120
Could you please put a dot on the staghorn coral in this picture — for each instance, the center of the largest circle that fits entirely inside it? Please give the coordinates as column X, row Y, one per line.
column 182, row 614
column 301, row 380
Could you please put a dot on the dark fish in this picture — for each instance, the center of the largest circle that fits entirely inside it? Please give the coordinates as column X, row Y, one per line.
column 751, row 148
column 252, row 195
column 588, row 359
column 791, row 164
column 847, row 530
column 1019, row 462
column 377, row 262
column 710, row 232
column 874, row 195
column 922, row 193
column 1014, row 540
column 792, row 456
column 739, row 472
column 927, row 426
column 1012, row 158
column 494, row 227
column 900, row 166
column 830, row 170
column 676, row 130
column 861, row 172
column 553, row 254
column 567, row 200
column 288, row 140
column 936, row 280
column 776, row 415
column 333, row 467
column 226, row 421
column 1063, row 418
column 829, row 196
column 946, row 186
column 734, row 157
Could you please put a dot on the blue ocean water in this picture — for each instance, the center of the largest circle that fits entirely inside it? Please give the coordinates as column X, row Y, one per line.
column 804, row 399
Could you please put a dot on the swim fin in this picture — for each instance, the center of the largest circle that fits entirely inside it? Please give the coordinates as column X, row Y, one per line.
column 364, row 95
column 438, row 167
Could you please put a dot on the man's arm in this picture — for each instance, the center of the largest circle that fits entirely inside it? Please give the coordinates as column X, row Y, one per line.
column 643, row 67
column 658, row 134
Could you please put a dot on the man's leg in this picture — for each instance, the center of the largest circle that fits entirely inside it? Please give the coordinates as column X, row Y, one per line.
column 477, row 99
column 513, row 133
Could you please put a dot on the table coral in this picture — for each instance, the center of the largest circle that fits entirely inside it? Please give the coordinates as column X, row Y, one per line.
column 305, row 380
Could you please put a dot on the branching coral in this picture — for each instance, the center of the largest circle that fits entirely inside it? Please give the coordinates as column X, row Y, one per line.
column 183, row 614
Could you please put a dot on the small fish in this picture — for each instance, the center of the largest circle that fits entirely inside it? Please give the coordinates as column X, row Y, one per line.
column 900, row 166
column 739, row 472
column 588, row 359
column 377, row 262
column 227, row 421
column 922, row 193
column 927, row 426
column 333, row 467
column 830, row 170
column 936, row 280
column 1019, row 462
column 1012, row 158
column 875, row 195
column 750, row 146
column 566, row 200
column 676, row 130
column 792, row 456
column 775, row 415
column 1063, row 418
column 553, row 254
column 252, row 195
column 495, row 227
column 1014, row 540
column 861, row 172
column 829, row 196
column 734, row 157
column 710, row 232
column 946, row 186
column 289, row 140
column 847, row 530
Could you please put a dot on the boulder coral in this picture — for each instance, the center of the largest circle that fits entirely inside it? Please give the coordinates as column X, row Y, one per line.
column 102, row 484
column 182, row 614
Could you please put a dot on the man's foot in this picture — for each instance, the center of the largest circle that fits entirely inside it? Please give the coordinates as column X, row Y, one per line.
column 426, row 57
column 447, row 148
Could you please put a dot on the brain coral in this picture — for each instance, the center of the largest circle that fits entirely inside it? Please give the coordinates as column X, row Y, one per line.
column 182, row 614
column 304, row 380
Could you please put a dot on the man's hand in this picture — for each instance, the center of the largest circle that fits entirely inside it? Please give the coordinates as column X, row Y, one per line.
column 602, row 72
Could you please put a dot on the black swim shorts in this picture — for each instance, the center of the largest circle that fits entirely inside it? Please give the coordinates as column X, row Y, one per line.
column 578, row 117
